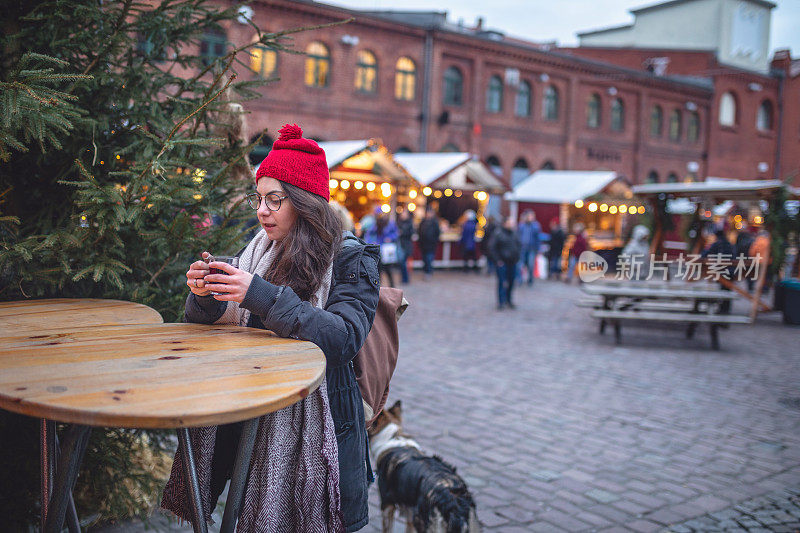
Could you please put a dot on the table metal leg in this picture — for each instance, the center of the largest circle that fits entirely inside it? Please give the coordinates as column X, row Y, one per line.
column 73, row 524
column 198, row 517
column 47, row 447
column 239, row 477
column 69, row 463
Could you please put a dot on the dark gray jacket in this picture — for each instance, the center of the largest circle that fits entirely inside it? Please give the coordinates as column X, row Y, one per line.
column 339, row 330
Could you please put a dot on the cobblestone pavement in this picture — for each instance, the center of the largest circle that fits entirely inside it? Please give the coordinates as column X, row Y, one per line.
column 556, row 428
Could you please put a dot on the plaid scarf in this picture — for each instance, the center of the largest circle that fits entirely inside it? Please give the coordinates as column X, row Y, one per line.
column 293, row 483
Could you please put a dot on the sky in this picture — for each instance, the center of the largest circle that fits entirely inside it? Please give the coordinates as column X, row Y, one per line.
column 560, row 20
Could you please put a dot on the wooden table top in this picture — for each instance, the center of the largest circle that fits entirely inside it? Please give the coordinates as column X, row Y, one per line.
column 156, row 375
column 648, row 292
column 44, row 316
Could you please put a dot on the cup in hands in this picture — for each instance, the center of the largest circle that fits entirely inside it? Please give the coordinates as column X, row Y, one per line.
column 230, row 259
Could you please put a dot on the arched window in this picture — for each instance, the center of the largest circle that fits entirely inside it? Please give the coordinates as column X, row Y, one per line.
column 551, row 103
column 548, row 165
column 727, row 110
column 318, row 65
column 493, row 162
column 453, row 86
column 652, row 177
column 449, row 147
column 693, row 127
column 617, row 115
column 366, row 72
column 522, row 107
column 764, row 117
column 672, row 178
column 213, row 45
column 405, row 79
column 593, row 111
column 519, row 172
column 264, row 61
column 656, row 121
column 494, row 95
column 675, row 126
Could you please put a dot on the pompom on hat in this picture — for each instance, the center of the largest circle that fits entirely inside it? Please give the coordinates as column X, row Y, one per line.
column 298, row 161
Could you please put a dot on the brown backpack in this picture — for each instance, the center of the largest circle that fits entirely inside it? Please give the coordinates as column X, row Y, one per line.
column 374, row 364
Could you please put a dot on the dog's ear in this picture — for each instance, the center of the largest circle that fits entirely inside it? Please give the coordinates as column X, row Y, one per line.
column 397, row 408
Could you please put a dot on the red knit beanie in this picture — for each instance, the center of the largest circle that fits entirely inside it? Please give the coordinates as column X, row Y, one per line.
column 298, row 161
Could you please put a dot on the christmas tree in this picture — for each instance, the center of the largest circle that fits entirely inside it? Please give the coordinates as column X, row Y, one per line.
column 122, row 157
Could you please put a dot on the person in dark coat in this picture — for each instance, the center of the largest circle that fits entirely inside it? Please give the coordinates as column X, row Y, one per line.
column 384, row 231
column 304, row 253
column 488, row 231
column 579, row 245
column 505, row 248
column 428, row 232
column 554, row 253
column 468, row 245
column 405, row 228
column 529, row 232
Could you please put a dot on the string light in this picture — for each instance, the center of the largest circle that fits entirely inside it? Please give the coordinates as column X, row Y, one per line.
column 333, row 183
column 344, row 184
column 358, row 185
column 386, row 208
column 592, row 207
column 437, row 194
column 371, row 186
column 386, row 190
column 198, row 196
column 427, row 191
column 448, row 192
column 482, row 196
column 603, row 208
column 612, row 210
column 458, row 194
column 641, row 210
column 623, row 209
column 412, row 194
column 578, row 203
column 412, row 207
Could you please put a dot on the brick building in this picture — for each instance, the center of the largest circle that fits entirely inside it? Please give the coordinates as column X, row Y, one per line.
column 421, row 83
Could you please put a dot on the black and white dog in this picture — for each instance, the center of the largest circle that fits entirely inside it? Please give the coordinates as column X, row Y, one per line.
column 426, row 489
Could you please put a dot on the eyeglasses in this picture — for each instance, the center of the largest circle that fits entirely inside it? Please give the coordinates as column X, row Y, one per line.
column 271, row 200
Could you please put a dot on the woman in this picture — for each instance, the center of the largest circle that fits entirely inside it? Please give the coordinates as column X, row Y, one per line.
column 384, row 231
column 297, row 280
column 579, row 245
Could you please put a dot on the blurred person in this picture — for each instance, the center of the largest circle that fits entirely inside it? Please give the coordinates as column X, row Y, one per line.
column 290, row 281
column 638, row 250
column 557, row 239
column 506, row 249
column 529, row 232
column 383, row 232
column 758, row 251
column 405, row 227
column 488, row 231
column 468, row 244
column 744, row 240
column 428, row 233
column 579, row 245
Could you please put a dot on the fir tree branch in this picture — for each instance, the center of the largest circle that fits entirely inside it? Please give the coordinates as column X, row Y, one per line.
column 110, row 42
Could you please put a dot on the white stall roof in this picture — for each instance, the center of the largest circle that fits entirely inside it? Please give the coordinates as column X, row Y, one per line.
column 711, row 187
column 337, row 152
column 561, row 186
column 429, row 167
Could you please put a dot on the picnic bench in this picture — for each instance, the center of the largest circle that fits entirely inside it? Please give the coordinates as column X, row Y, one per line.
column 614, row 303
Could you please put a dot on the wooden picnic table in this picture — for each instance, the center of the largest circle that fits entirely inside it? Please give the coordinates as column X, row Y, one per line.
column 154, row 376
column 657, row 303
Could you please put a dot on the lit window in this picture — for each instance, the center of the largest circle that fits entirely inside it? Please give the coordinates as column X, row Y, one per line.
column 494, row 95
column 318, row 64
column 405, row 79
column 366, row 72
column 453, row 86
column 263, row 61
column 593, row 111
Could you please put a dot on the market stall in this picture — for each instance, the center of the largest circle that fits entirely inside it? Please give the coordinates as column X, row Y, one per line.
column 452, row 183
column 365, row 175
column 600, row 200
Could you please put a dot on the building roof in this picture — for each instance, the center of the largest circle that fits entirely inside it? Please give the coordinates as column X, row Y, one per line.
column 454, row 170
column 721, row 189
column 661, row 5
column 561, row 186
column 605, row 30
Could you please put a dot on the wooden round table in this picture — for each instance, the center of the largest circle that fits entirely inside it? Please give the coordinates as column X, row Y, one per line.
column 42, row 316
column 154, row 376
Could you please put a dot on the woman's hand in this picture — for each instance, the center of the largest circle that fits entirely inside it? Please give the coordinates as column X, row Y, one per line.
column 232, row 285
column 195, row 277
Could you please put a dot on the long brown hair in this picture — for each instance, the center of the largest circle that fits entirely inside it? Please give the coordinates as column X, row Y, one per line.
column 304, row 254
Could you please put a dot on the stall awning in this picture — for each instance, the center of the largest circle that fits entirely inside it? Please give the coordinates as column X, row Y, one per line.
column 717, row 189
column 450, row 170
column 361, row 159
column 563, row 186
